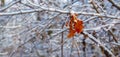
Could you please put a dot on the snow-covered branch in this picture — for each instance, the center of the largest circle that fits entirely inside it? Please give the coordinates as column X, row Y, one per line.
column 56, row 10
column 81, row 13
column 19, row 12
column 8, row 6
column 99, row 43
column 115, row 4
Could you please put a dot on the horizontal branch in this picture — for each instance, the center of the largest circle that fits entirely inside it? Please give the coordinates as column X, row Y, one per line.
column 5, row 53
column 81, row 13
column 91, row 38
column 55, row 10
column 8, row 6
column 85, row 29
column 11, row 26
column 118, row 44
column 19, row 12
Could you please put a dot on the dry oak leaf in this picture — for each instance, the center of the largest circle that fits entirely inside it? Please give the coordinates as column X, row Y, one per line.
column 71, row 33
column 79, row 26
column 75, row 25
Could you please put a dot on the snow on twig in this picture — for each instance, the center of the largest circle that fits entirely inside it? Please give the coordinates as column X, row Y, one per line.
column 8, row 6
column 55, row 10
column 99, row 43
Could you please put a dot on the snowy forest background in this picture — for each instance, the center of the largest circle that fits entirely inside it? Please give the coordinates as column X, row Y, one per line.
column 36, row 28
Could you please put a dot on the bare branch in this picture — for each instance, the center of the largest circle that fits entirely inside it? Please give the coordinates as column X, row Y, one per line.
column 114, row 4
column 81, row 13
column 98, row 42
column 20, row 12
column 60, row 11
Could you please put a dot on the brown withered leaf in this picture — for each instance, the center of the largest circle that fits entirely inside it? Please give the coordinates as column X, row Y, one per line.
column 75, row 25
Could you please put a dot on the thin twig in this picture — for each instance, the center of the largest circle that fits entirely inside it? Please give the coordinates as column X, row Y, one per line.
column 78, row 50
column 84, row 47
column 56, row 10
column 99, row 43
column 8, row 6
column 95, row 7
column 62, row 41
column 114, row 4
column 114, row 37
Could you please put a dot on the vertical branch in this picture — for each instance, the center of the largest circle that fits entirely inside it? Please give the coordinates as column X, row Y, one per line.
column 72, row 47
column 38, row 16
column 78, row 50
column 38, row 13
column 62, row 41
column 2, row 3
column 94, row 6
column 84, row 47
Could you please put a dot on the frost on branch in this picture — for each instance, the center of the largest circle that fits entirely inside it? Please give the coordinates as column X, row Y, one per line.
column 36, row 28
